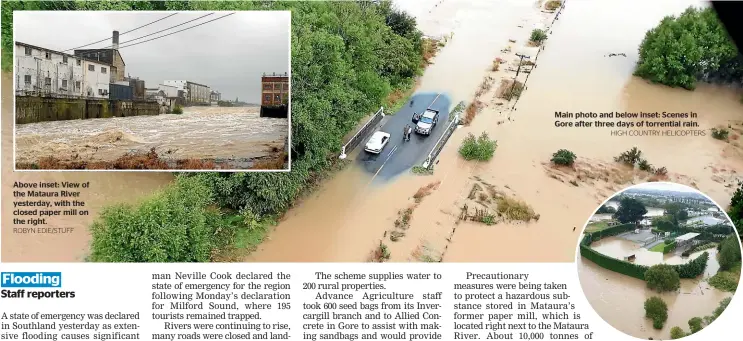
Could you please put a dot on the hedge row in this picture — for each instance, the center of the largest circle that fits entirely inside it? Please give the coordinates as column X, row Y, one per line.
column 691, row 269
column 611, row 263
column 610, row 231
column 694, row 268
column 669, row 247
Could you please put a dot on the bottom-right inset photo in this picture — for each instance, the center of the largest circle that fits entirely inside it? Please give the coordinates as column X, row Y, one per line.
column 659, row 261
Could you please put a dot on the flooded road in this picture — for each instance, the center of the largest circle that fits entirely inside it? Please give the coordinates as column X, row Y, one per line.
column 348, row 216
column 619, row 299
column 399, row 156
column 234, row 133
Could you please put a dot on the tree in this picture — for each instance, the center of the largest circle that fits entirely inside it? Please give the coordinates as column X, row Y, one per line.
column 630, row 211
column 735, row 211
column 606, row 209
column 681, row 50
column 563, row 157
column 729, row 253
column 677, row 212
column 696, row 324
column 656, row 310
column 677, row 333
column 538, row 36
column 662, row 277
column 664, row 223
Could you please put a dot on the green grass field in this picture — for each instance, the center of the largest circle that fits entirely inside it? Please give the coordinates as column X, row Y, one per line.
column 658, row 248
column 596, row 226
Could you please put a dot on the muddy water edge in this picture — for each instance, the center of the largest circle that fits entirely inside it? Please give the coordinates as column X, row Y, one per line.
column 106, row 188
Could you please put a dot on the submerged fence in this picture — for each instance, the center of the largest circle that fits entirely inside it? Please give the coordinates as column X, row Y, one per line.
column 360, row 135
column 453, row 124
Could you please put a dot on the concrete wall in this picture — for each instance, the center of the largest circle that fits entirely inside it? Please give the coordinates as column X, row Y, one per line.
column 31, row 109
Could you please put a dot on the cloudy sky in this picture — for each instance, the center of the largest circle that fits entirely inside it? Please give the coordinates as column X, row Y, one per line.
column 228, row 54
column 666, row 186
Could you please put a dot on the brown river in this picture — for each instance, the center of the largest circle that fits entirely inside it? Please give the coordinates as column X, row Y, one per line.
column 234, row 133
column 346, row 217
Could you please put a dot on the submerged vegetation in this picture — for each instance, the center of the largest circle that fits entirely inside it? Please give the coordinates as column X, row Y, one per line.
column 698, row 323
column 720, row 133
column 693, row 46
column 656, row 310
column 492, row 206
column 480, row 149
column 633, row 158
column 538, row 36
column 563, row 157
column 347, row 58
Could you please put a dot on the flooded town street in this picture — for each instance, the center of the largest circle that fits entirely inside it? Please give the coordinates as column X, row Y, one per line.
column 201, row 132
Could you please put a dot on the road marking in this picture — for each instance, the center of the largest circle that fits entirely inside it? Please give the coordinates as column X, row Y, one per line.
column 384, row 163
column 434, row 101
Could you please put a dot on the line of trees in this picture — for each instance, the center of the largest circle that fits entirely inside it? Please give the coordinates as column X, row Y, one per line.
column 693, row 46
column 347, row 57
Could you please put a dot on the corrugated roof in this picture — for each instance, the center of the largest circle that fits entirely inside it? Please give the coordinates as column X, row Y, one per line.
column 688, row 236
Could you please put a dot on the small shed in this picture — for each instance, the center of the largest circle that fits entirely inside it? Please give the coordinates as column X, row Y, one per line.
column 685, row 239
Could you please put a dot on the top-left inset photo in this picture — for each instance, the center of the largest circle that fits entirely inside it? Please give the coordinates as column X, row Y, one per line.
column 157, row 91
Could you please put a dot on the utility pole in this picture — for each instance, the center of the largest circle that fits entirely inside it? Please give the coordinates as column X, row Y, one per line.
column 521, row 61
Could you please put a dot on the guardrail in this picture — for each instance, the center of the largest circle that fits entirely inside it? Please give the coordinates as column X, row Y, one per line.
column 360, row 135
column 436, row 150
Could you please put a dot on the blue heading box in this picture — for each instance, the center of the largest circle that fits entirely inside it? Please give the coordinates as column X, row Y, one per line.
column 30, row 279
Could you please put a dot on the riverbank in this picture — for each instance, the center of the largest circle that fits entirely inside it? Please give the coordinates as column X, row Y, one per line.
column 225, row 136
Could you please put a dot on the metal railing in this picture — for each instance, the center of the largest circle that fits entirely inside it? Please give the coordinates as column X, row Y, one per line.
column 436, row 150
column 360, row 135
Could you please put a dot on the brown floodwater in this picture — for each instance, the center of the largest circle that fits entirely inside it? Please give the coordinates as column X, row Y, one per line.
column 619, row 299
column 347, row 217
column 620, row 248
column 233, row 133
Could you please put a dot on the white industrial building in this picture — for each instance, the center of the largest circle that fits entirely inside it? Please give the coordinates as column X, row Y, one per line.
column 41, row 71
column 165, row 95
column 195, row 93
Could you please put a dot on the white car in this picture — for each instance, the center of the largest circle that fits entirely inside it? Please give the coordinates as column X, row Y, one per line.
column 377, row 142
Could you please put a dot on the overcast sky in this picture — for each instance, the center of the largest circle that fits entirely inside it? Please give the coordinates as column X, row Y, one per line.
column 665, row 186
column 228, row 54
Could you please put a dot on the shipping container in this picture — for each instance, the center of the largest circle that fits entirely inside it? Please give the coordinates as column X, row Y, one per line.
column 120, row 92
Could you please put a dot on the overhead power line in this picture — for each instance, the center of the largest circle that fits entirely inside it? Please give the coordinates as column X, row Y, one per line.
column 187, row 28
column 132, row 30
column 169, row 28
